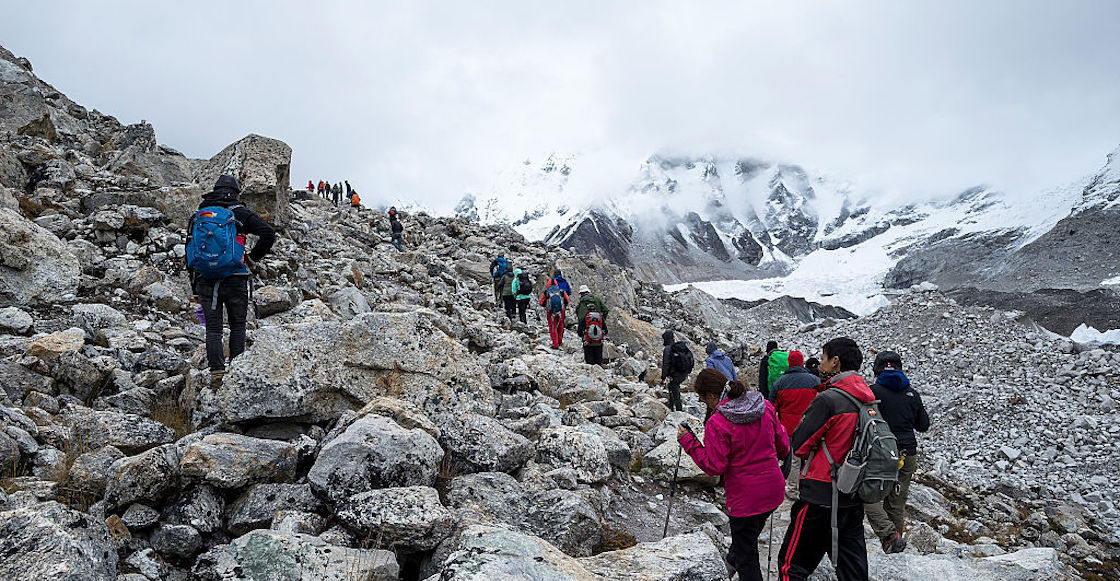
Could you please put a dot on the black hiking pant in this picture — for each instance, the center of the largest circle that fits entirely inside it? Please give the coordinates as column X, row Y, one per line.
column 675, row 382
column 522, row 307
column 809, row 538
column 743, row 553
column 233, row 299
column 510, row 304
column 593, row 354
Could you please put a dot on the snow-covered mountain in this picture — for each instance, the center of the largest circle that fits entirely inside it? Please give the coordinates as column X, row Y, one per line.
column 749, row 228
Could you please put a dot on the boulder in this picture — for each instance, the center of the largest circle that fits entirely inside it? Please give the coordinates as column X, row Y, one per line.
column 50, row 347
column 236, row 461
column 483, row 444
column 149, row 476
column 179, row 541
column 348, row 303
column 200, row 507
column 691, row 557
column 1039, row 564
column 90, row 471
column 277, row 556
column 129, row 433
column 566, row 519
column 661, row 462
column 489, row 497
column 583, row 452
column 17, row 381
column 95, row 317
column 256, row 508
column 50, row 541
column 483, row 553
column 14, row 321
column 35, row 266
column 316, row 371
column 272, row 299
column 375, row 452
column 408, row 519
column 261, row 166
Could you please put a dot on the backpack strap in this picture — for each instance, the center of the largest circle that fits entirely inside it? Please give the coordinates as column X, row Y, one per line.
column 835, row 506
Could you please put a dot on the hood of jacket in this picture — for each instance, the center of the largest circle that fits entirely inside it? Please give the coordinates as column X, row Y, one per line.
column 718, row 354
column 854, row 385
column 744, row 409
column 667, row 338
column 226, row 189
column 893, row 380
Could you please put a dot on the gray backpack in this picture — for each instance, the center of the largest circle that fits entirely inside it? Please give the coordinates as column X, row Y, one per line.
column 870, row 471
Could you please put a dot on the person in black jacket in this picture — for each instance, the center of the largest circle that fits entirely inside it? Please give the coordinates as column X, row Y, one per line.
column 669, row 373
column 764, row 369
column 396, row 227
column 902, row 408
column 230, row 294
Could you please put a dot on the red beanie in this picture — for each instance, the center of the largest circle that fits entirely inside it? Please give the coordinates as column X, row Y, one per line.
column 796, row 359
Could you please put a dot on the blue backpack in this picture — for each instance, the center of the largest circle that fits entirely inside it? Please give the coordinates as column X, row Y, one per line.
column 502, row 266
column 555, row 299
column 214, row 251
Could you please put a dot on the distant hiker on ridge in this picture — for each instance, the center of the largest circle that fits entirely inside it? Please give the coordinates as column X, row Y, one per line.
column 219, row 267
column 395, row 227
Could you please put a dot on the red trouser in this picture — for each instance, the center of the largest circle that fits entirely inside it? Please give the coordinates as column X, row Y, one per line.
column 556, row 328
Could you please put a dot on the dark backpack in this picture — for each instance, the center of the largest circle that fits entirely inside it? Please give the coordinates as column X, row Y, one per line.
column 500, row 271
column 214, row 251
column 680, row 359
column 555, row 299
column 593, row 329
column 524, row 284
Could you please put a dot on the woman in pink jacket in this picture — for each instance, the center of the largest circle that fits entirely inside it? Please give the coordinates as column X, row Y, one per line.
column 743, row 441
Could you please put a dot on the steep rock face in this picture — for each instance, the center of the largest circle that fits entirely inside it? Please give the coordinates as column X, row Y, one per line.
column 262, row 167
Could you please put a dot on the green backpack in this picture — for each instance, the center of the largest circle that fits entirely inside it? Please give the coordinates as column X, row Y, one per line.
column 777, row 364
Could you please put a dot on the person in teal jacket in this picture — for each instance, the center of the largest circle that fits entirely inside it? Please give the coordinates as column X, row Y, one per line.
column 522, row 292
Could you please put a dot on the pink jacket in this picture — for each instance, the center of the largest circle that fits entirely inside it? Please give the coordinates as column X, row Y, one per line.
column 742, row 443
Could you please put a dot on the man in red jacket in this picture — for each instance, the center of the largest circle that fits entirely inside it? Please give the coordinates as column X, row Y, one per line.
column 791, row 394
column 829, row 423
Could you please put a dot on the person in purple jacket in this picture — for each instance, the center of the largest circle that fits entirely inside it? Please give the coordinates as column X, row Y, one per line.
column 743, row 442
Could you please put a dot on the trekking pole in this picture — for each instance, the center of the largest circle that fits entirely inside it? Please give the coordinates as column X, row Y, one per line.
column 770, row 547
column 672, row 492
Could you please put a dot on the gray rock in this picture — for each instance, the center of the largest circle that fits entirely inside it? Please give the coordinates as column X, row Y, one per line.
column 94, row 317
column 483, row 553
column 294, row 521
column 148, row 563
column 316, row 371
column 661, row 462
column 567, row 520
column 199, row 507
column 264, row 554
column 38, row 267
column 149, row 476
column 235, row 461
column 483, row 444
column 408, row 519
column 14, row 321
column 9, row 453
column 139, row 516
column 618, row 452
column 348, row 303
column 91, row 470
column 272, row 299
column 50, row 541
column 489, row 497
column 691, row 557
column 129, row 433
column 375, row 452
column 181, row 541
column 585, row 453
column 1025, row 565
column 256, row 508
column 58, row 224
column 261, row 166
column 17, row 381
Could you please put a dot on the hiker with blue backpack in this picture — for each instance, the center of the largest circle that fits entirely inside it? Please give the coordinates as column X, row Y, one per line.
column 555, row 301
column 219, row 267
column 498, row 268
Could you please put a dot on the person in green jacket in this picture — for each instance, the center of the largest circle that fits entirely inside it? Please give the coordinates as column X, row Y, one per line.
column 522, row 292
column 592, row 346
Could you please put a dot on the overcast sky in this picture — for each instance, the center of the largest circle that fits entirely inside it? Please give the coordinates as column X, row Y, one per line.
column 424, row 101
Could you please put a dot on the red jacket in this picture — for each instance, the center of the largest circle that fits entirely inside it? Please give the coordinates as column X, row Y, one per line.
column 792, row 394
column 742, row 443
column 829, row 421
column 544, row 299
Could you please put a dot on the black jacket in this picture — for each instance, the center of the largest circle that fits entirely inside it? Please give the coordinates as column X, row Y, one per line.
column 902, row 408
column 764, row 374
column 395, row 225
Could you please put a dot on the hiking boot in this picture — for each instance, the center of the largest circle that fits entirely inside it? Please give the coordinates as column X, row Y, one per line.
column 893, row 543
column 216, row 378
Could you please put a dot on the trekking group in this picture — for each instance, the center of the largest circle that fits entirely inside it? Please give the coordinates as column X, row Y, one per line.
column 339, row 193
column 814, row 432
